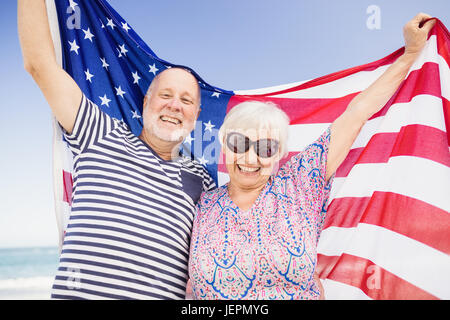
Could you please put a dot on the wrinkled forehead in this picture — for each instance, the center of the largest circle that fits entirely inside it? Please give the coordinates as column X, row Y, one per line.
column 177, row 79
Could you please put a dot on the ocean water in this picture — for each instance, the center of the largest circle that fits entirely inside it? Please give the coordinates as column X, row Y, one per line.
column 27, row 273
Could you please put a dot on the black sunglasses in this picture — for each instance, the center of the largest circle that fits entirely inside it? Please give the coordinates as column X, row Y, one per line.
column 264, row 148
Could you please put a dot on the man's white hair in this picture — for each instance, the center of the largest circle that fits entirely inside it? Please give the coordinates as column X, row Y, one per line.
column 257, row 115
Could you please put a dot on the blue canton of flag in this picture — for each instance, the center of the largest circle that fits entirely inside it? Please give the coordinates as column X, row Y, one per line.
column 114, row 67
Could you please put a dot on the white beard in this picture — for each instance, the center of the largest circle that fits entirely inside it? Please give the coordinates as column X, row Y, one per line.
column 152, row 125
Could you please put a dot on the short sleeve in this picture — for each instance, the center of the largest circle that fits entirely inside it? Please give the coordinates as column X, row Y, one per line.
column 90, row 124
column 307, row 170
column 208, row 182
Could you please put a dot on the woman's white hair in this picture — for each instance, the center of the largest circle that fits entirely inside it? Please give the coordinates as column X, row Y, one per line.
column 257, row 115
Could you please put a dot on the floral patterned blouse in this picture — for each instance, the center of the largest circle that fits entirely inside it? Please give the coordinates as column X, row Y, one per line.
column 268, row 251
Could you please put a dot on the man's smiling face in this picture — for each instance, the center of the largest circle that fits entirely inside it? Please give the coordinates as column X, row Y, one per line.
column 172, row 105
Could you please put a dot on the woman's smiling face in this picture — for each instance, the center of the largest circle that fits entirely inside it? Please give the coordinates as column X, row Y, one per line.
column 248, row 170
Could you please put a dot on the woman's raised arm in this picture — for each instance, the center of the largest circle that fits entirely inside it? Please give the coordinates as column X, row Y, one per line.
column 347, row 126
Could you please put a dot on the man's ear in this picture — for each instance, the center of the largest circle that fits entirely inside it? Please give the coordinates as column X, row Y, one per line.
column 198, row 113
column 145, row 101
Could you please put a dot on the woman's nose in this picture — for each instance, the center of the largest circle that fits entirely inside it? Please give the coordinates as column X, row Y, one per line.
column 251, row 157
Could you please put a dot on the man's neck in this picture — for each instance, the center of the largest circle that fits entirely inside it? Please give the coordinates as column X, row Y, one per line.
column 167, row 150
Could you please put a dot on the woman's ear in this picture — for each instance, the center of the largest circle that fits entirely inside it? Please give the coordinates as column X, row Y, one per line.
column 224, row 150
column 281, row 155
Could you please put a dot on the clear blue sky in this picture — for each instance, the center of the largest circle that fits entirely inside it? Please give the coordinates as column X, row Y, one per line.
column 232, row 44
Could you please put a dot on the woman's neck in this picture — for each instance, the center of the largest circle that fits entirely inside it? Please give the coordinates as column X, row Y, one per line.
column 244, row 198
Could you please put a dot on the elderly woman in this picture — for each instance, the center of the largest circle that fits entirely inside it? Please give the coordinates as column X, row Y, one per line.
column 256, row 237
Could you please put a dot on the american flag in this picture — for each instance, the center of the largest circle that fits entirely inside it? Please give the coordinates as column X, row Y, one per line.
column 386, row 235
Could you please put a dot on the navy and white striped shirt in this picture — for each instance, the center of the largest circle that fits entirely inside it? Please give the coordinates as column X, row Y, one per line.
column 129, row 230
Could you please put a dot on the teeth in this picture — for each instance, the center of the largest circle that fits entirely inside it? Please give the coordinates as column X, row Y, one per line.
column 172, row 120
column 248, row 169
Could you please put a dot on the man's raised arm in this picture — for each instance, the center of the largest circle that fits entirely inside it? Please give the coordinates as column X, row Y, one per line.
column 59, row 89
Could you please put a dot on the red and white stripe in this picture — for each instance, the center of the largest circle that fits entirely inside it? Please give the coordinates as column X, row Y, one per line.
column 387, row 226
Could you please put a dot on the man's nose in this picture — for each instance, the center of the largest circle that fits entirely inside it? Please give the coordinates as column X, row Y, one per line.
column 174, row 104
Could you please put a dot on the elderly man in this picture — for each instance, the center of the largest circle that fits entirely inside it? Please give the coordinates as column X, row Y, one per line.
column 133, row 197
